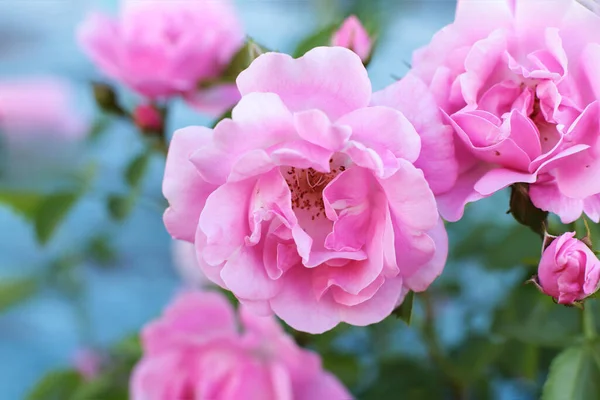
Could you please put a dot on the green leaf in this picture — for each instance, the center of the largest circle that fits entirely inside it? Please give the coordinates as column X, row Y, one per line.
column 404, row 310
column 319, row 38
column 532, row 317
column 119, row 207
column 240, row 61
column 56, row 385
column 25, row 204
column 14, row 291
column 136, row 169
column 103, row 387
column 574, row 374
column 519, row 360
column 101, row 251
column 344, row 366
column 51, row 212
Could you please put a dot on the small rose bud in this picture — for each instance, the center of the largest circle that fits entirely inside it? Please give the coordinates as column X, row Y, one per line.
column 569, row 271
column 353, row 35
column 88, row 363
column 148, row 118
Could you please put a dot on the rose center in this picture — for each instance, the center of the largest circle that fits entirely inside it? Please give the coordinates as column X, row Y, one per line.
column 307, row 185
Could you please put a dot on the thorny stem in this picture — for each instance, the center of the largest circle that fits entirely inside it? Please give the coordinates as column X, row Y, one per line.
column 436, row 352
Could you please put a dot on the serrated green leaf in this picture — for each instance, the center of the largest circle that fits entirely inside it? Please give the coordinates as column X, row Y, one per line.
column 136, row 169
column 404, row 310
column 574, row 374
column 51, row 212
column 56, row 385
column 320, row 38
column 14, row 291
column 25, row 204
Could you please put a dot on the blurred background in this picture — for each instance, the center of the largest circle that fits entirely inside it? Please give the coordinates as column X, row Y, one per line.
column 95, row 264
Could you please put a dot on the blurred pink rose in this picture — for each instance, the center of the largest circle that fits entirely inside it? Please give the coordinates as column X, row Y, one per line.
column 569, row 271
column 186, row 263
column 518, row 82
column 353, row 35
column 167, row 48
column 39, row 107
column 88, row 362
column 196, row 351
column 306, row 203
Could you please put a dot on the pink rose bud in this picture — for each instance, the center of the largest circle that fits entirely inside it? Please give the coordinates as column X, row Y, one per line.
column 87, row 363
column 569, row 271
column 148, row 118
column 353, row 35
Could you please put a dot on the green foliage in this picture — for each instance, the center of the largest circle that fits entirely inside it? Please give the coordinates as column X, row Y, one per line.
column 405, row 379
column 240, row 61
column 524, row 211
column 575, row 374
column 472, row 359
column 25, row 204
column 56, row 385
column 136, row 169
column 120, row 206
column 320, row 38
column 15, row 291
column 100, row 250
column 531, row 317
column 51, row 212
column 404, row 310
column 498, row 248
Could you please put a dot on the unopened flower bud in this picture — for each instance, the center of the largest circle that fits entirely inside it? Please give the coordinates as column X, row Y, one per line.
column 353, row 35
column 148, row 118
column 569, row 271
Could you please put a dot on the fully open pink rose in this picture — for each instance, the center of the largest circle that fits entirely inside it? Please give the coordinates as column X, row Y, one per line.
column 569, row 271
column 38, row 107
column 353, row 35
column 165, row 48
column 196, row 351
column 518, row 81
column 306, row 202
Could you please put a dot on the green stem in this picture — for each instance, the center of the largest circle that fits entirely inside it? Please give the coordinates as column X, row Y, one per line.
column 436, row 352
column 589, row 327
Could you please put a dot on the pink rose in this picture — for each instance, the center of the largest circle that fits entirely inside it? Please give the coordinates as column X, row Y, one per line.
column 186, row 264
column 569, row 271
column 307, row 203
column 196, row 351
column 37, row 107
column 518, row 82
column 353, row 35
column 166, row 48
